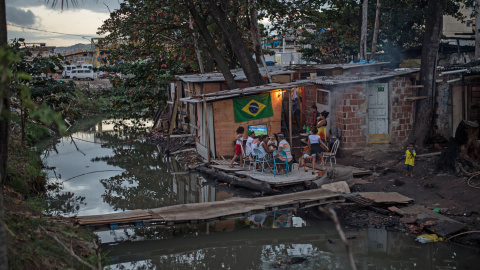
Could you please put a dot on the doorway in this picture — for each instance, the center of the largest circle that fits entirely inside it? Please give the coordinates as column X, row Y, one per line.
column 378, row 113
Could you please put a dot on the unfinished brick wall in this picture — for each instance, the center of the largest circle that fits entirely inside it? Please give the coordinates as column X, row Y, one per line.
column 225, row 125
column 310, row 100
column 349, row 114
column 402, row 110
column 349, row 110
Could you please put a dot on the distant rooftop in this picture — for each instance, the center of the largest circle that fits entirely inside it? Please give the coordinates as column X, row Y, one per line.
column 334, row 66
column 362, row 77
column 238, row 74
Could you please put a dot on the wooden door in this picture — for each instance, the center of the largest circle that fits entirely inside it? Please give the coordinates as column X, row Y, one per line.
column 378, row 113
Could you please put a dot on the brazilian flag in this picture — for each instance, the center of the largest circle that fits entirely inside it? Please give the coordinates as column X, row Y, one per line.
column 252, row 107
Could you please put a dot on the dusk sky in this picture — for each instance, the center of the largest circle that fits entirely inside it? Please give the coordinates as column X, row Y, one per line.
column 71, row 26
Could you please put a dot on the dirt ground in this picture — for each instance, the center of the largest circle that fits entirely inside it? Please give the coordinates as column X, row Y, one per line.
column 429, row 187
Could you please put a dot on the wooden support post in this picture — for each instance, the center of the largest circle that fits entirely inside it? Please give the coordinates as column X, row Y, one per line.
column 290, row 117
column 207, row 136
column 173, row 118
column 168, row 144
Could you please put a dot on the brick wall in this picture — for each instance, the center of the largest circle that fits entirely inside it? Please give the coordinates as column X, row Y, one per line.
column 350, row 114
column 402, row 110
column 349, row 111
column 225, row 125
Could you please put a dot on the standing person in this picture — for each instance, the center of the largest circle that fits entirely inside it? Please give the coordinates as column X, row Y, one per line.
column 285, row 146
column 248, row 144
column 296, row 111
column 322, row 126
column 316, row 114
column 410, row 159
column 317, row 147
column 238, row 146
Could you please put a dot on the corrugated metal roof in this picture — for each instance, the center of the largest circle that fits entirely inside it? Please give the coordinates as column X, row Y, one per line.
column 363, row 77
column 227, row 94
column 238, row 74
column 334, row 66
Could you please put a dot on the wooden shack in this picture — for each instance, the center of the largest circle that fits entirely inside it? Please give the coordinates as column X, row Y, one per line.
column 216, row 111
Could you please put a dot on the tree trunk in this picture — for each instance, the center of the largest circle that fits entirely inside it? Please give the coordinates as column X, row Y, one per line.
column 4, row 107
column 236, row 42
column 477, row 30
column 363, row 31
column 431, row 41
column 254, row 29
column 197, row 50
column 212, row 48
column 375, row 31
column 233, row 180
column 463, row 151
column 331, row 176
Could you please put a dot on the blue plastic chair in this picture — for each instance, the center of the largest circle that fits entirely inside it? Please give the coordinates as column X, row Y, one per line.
column 282, row 153
column 259, row 160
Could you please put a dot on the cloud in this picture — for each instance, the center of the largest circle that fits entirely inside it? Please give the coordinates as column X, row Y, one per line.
column 99, row 6
column 20, row 17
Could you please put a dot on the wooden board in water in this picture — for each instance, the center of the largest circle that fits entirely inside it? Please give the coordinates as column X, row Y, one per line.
column 218, row 210
column 212, row 210
column 138, row 214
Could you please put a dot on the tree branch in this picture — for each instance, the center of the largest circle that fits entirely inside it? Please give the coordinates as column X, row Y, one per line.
column 69, row 251
column 331, row 213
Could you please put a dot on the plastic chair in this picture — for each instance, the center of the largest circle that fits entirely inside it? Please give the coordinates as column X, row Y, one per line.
column 333, row 153
column 306, row 151
column 275, row 163
column 259, row 160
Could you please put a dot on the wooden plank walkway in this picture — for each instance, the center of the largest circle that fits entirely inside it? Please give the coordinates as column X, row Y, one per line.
column 210, row 211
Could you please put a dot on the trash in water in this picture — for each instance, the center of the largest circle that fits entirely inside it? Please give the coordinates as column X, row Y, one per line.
column 426, row 238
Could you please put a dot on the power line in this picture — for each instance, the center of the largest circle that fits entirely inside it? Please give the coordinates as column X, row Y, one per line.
column 40, row 30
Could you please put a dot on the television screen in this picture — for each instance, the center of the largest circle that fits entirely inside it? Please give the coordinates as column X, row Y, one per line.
column 258, row 129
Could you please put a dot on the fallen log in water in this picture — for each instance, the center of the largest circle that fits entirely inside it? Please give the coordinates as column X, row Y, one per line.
column 236, row 181
column 332, row 175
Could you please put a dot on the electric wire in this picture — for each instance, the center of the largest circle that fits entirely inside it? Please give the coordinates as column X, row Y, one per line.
column 46, row 31
column 91, row 173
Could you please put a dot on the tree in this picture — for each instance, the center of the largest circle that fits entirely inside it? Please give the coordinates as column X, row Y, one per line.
column 375, row 31
column 165, row 29
column 431, row 41
column 363, row 30
column 335, row 33
column 4, row 109
column 477, row 30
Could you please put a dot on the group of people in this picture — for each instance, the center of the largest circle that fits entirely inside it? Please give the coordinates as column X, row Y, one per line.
column 264, row 144
column 317, row 142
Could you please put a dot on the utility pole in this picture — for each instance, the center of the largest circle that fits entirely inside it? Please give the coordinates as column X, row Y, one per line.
column 477, row 28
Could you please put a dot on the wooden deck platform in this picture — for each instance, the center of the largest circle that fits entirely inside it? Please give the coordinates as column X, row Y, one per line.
column 210, row 211
column 296, row 176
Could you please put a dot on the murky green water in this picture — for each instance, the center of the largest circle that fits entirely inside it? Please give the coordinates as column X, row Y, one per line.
column 102, row 171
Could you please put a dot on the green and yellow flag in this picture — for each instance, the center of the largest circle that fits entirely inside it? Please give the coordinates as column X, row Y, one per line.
column 252, row 107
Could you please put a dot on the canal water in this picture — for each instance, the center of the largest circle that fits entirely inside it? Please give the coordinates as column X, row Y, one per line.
column 102, row 170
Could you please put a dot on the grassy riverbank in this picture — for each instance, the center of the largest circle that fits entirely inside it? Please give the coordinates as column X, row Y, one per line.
column 34, row 236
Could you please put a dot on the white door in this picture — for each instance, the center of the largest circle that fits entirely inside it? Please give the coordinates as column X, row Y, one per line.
column 323, row 104
column 378, row 108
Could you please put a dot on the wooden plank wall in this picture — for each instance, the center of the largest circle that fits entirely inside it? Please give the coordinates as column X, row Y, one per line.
column 225, row 125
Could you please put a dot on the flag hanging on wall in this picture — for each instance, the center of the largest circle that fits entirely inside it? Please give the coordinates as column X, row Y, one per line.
column 252, row 107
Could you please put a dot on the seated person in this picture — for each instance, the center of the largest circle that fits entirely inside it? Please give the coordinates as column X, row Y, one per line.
column 273, row 142
column 285, row 146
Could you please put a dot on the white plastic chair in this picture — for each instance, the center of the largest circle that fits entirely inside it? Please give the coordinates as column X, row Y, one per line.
column 333, row 152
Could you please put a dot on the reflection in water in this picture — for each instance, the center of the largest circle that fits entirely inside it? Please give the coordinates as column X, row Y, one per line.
column 105, row 169
column 313, row 247
column 109, row 170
